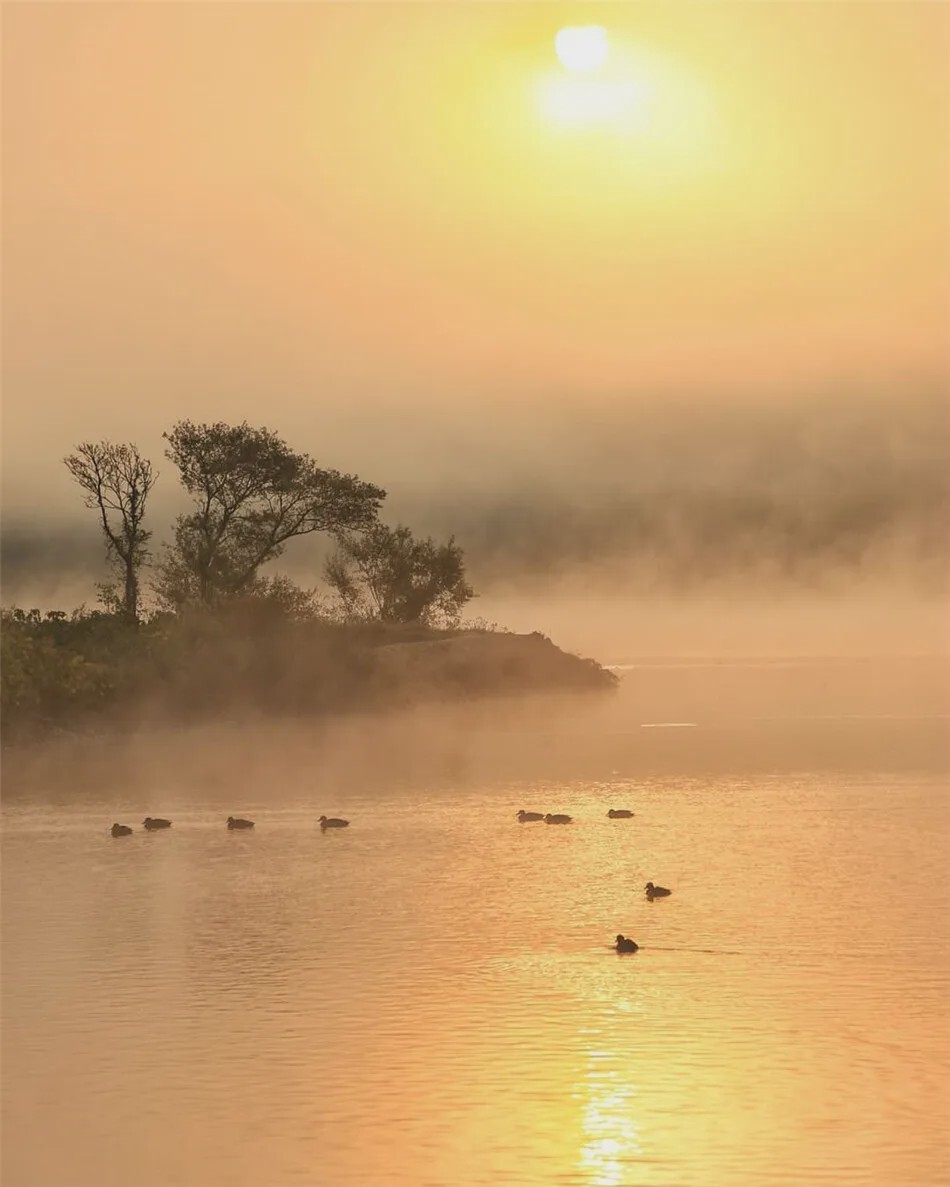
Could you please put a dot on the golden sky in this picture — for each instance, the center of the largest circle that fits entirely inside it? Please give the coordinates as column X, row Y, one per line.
column 299, row 213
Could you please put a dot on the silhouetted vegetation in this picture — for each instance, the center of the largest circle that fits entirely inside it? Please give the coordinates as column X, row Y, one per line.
column 252, row 495
column 269, row 652
column 386, row 573
column 116, row 480
column 225, row 639
column 821, row 493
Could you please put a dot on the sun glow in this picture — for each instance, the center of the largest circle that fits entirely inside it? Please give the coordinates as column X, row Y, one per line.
column 639, row 92
column 582, row 47
column 610, row 1126
column 604, row 99
column 575, row 101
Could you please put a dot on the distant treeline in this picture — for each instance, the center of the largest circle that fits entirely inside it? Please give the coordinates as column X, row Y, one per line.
column 680, row 495
column 687, row 540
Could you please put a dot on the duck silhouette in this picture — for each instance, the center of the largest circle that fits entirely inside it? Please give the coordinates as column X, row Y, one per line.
column 625, row 944
column 619, row 813
column 153, row 822
column 656, row 891
column 333, row 822
column 237, row 822
column 556, row 818
column 523, row 815
column 121, row 830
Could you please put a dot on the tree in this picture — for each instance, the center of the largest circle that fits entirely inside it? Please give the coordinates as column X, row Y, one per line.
column 252, row 494
column 117, row 481
column 387, row 574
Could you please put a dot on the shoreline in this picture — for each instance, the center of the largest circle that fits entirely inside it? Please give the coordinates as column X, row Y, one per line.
column 176, row 676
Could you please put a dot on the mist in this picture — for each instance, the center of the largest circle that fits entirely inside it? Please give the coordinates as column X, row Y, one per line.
column 641, row 380
column 662, row 341
column 679, row 507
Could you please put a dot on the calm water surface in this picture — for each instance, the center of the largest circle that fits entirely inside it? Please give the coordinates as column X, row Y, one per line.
column 429, row 997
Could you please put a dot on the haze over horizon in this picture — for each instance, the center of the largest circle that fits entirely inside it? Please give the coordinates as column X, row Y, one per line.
column 702, row 354
column 646, row 306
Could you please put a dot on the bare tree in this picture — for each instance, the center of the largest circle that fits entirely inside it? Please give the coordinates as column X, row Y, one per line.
column 117, row 480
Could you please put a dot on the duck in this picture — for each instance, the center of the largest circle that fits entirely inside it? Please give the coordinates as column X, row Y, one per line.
column 625, row 944
column 619, row 813
column 656, row 891
column 333, row 822
column 152, row 822
column 554, row 818
column 237, row 822
column 523, row 815
column 121, row 830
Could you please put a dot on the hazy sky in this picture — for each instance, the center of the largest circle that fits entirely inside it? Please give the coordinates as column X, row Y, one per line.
column 361, row 225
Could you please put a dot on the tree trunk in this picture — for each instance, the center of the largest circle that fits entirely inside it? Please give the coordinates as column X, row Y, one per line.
column 131, row 600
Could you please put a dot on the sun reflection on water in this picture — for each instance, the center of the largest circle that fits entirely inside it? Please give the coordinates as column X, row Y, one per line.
column 610, row 1127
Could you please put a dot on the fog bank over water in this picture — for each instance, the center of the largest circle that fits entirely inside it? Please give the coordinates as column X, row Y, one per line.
column 762, row 525
column 699, row 404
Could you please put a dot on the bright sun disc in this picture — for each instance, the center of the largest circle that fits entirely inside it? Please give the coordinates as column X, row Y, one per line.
column 582, row 47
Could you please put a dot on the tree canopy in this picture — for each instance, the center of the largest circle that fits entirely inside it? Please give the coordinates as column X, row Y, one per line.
column 252, row 493
column 386, row 573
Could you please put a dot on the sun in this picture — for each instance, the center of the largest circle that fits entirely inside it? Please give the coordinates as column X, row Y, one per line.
column 582, row 47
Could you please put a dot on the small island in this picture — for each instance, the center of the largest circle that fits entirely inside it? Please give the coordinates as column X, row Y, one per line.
column 198, row 631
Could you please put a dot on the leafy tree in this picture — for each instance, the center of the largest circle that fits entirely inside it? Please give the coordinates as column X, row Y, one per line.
column 117, row 480
column 252, row 494
column 387, row 574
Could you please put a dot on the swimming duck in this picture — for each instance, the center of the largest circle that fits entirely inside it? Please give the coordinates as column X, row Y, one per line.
column 333, row 822
column 121, row 830
column 619, row 813
column 151, row 822
column 656, row 891
column 523, row 815
column 554, row 818
column 625, row 944
column 237, row 822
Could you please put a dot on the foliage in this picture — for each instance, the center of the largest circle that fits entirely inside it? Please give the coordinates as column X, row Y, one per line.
column 252, row 494
column 267, row 651
column 479, row 623
column 51, row 664
column 279, row 597
column 386, row 573
column 228, row 640
column 117, row 480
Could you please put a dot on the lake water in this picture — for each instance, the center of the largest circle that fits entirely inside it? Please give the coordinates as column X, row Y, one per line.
column 429, row 997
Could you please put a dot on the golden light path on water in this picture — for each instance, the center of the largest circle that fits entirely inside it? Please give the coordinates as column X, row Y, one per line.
column 610, row 1132
column 431, row 996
